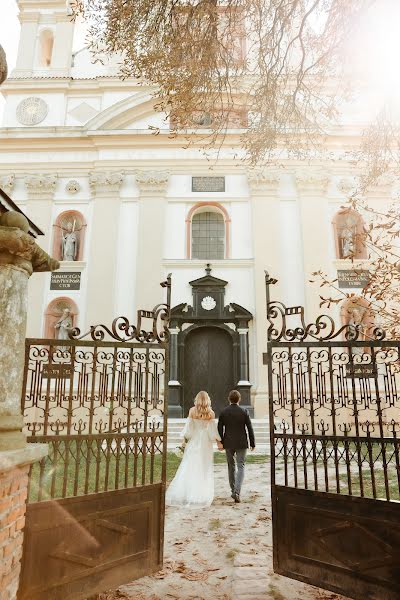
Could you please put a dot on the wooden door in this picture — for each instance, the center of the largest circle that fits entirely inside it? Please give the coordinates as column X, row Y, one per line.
column 208, row 366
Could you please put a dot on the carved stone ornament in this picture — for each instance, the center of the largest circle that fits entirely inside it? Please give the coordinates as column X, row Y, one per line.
column 347, row 186
column 309, row 179
column 107, row 181
column 32, row 111
column 73, row 186
column 3, row 65
column 208, row 303
column 152, row 181
column 7, row 183
column 19, row 249
column 40, row 184
column 263, row 180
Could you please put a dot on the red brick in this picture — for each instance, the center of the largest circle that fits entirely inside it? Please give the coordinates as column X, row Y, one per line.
column 19, row 524
column 15, row 514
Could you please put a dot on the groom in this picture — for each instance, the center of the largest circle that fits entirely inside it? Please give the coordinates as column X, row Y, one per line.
column 232, row 425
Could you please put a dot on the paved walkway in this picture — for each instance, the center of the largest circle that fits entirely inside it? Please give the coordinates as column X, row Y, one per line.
column 223, row 553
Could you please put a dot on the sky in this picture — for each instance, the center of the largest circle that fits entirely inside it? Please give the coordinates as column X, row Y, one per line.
column 9, row 35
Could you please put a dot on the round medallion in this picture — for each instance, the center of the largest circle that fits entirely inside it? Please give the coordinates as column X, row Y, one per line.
column 208, row 303
column 73, row 186
column 32, row 111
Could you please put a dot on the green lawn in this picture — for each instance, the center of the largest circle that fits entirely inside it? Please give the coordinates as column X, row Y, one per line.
column 75, row 471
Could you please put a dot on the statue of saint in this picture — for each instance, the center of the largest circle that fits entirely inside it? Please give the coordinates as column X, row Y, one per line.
column 347, row 242
column 64, row 325
column 69, row 243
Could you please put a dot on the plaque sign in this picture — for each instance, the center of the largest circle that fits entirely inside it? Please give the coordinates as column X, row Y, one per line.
column 57, row 371
column 208, row 184
column 362, row 371
column 349, row 278
column 65, row 281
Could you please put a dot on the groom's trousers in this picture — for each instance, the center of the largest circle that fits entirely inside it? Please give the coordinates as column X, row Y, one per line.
column 236, row 475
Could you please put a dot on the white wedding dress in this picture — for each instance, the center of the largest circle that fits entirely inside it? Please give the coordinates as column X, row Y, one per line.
column 193, row 484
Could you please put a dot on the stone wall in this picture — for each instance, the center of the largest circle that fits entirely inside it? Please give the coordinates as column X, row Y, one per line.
column 13, row 494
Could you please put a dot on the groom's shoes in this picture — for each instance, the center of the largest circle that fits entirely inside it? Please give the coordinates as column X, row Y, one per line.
column 237, row 498
column 233, row 496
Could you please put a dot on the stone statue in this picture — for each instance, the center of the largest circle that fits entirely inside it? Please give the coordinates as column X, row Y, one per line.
column 69, row 243
column 64, row 325
column 347, row 242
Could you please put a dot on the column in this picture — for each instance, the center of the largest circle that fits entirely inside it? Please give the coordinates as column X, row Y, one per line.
column 244, row 384
column 152, row 229
column 103, row 238
column 174, row 397
column 39, row 207
column 20, row 256
column 266, row 227
column 315, row 222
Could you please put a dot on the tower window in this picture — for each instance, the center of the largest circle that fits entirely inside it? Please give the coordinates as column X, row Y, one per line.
column 46, row 42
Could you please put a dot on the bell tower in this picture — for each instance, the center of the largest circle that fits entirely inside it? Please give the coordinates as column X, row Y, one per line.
column 45, row 47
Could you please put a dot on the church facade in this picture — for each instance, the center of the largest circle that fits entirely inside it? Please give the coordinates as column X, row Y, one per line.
column 122, row 208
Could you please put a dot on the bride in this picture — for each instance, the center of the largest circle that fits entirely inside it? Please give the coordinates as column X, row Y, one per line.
column 193, row 484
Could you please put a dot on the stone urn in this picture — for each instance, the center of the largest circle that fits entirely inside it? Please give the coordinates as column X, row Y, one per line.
column 3, row 65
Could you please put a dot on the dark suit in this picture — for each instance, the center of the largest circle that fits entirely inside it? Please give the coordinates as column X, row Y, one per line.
column 236, row 431
column 232, row 425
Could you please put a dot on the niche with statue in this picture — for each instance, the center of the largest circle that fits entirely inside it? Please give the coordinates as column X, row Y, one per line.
column 69, row 236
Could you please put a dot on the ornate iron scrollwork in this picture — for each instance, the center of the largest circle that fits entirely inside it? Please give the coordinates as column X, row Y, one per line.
column 322, row 329
column 122, row 330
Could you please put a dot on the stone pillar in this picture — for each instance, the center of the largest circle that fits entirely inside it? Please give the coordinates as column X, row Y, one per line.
column 174, row 405
column 40, row 191
column 152, row 227
column 266, row 239
column 20, row 256
column 244, row 384
column 315, row 222
column 101, row 268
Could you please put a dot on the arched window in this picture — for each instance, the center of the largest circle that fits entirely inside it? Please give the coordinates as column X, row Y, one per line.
column 46, row 43
column 208, row 231
column 69, row 236
column 348, row 226
column 59, row 309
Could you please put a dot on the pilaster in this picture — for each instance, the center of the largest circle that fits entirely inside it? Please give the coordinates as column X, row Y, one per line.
column 101, row 292
column 152, row 227
column 40, row 189
column 315, row 222
column 266, row 226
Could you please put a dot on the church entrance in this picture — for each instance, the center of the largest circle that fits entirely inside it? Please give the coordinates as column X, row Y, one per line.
column 208, row 366
column 209, row 348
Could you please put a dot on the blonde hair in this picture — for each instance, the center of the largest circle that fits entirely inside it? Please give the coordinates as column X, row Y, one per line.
column 202, row 406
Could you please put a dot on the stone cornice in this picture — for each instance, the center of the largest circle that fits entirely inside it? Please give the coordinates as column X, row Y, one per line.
column 152, row 181
column 106, row 182
column 41, row 185
column 311, row 181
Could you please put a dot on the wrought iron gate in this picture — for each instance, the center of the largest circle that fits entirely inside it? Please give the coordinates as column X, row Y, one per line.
column 335, row 456
column 95, row 515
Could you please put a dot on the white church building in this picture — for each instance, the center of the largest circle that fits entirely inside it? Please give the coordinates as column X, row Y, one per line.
column 122, row 208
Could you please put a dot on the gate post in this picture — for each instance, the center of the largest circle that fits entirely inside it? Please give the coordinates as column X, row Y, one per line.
column 20, row 256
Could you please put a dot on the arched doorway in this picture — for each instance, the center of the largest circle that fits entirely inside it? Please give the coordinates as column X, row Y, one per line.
column 208, row 365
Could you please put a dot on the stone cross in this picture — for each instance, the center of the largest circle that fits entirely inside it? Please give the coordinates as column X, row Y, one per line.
column 20, row 256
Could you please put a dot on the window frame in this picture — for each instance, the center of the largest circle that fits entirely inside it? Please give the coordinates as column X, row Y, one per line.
column 207, row 207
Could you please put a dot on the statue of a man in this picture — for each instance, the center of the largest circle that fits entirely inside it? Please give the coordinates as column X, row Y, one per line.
column 64, row 325
column 69, row 244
